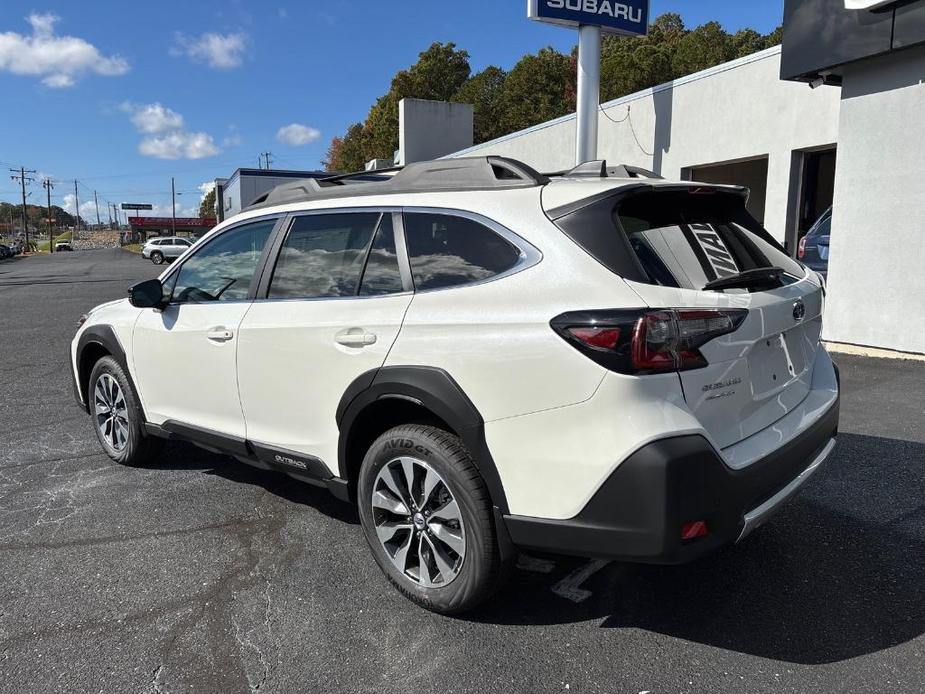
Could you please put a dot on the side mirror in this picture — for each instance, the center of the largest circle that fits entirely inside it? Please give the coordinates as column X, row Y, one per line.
column 148, row 294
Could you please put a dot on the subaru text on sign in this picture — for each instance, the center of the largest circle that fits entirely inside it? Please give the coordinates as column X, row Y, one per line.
column 626, row 17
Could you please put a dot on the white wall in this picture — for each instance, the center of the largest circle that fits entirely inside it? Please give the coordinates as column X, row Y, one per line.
column 876, row 275
column 738, row 110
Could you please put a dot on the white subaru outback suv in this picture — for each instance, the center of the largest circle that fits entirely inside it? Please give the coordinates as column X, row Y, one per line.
column 484, row 358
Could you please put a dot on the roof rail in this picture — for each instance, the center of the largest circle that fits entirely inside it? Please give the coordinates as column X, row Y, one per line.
column 444, row 175
column 599, row 169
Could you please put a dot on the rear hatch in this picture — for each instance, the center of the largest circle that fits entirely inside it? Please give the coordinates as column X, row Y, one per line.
column 696, row 248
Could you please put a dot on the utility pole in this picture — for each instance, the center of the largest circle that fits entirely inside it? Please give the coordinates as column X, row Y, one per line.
column 109, row 210
column 77, row 207
column 48, row 185
column 173, row 198
column 97, row 202
column 268, row 158
column 23, row 179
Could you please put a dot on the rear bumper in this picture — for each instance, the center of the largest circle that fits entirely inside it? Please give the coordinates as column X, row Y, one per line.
column 637, row 514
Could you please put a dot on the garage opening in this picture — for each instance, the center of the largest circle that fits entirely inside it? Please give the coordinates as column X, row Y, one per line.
column 751, row 173
column 818, row 187
column 812, row 189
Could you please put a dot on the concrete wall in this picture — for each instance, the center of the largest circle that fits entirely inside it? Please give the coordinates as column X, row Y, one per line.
column 431, row 129
column 735, row 111
column 876, row 277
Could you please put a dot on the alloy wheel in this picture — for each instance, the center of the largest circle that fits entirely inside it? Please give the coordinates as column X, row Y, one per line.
column 111, row 412
column 418, row 522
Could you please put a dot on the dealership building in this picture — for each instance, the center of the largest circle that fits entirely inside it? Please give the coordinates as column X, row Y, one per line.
column 833, row 117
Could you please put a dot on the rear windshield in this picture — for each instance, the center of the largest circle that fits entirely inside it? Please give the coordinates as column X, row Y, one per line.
column 678, row 238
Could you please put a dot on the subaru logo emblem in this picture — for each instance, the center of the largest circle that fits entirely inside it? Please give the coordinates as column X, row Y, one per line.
column 799, row 310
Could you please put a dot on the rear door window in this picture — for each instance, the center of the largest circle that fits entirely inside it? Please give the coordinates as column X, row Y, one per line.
column 324, row 255
column 382, row 274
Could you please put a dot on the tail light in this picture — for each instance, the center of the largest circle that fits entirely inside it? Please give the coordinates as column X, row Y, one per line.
column 801, row 248
column 644, row 342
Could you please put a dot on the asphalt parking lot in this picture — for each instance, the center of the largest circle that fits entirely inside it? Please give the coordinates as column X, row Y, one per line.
column 204, row 575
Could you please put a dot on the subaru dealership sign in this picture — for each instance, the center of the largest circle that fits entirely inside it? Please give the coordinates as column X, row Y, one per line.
column 625, row 17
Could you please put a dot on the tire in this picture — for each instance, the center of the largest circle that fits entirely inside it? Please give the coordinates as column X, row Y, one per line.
column 157, row 257
column 471, row 558
column 117, row 416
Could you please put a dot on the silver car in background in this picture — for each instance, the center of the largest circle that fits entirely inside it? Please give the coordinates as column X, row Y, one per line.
column 169, row 248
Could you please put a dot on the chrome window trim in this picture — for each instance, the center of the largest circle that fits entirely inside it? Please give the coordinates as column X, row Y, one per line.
column 530, row 255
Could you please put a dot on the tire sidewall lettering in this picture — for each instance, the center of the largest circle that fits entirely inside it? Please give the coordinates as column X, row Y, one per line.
column 401, row 444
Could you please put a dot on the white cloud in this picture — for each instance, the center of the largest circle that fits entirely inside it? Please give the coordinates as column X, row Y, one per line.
column 60, row 61
column 87, row 208
column 152, row 118
column 233, row 140
column 165, row 135
column 297, row 135
column 179, row 145
column 205, row 189
column 221, row 51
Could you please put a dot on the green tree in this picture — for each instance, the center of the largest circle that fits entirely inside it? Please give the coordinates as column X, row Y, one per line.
column 747, row 41
column 702, row 48
column 485, row 91
column 207, row 206
column 438, row 75
column 775, row 38
column 354, row 149
column 537, row 89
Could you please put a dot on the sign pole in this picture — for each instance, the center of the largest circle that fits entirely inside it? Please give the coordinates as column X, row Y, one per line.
column 592, row 18
column 589, row 92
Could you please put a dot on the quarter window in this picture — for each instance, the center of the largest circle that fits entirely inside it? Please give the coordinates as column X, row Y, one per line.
column 323, row 256
column 448, row 251
column 222, row 270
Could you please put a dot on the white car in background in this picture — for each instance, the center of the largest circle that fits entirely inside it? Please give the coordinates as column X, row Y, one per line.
column 169, row 248
column 484, row 358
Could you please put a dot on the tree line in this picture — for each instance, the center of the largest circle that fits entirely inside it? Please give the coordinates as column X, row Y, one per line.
column 541, row 86
column 36, row 215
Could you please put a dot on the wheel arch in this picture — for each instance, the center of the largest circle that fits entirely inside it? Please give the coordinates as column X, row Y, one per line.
column 381, row 399
column 96, row 342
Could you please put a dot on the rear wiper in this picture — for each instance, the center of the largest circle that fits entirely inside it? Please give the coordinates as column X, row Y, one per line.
column 759, row 277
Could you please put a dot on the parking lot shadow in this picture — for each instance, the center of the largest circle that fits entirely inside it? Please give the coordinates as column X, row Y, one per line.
column 839, row 573
column 179, row 455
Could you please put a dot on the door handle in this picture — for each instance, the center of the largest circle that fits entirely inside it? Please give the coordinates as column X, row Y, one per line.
column 355, row 337
column 220, row 334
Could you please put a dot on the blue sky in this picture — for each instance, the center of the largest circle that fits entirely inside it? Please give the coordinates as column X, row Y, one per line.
column 122, row 95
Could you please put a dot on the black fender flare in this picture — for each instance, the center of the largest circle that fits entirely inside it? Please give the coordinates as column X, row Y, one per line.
column 104, row 336
column 435, row 390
